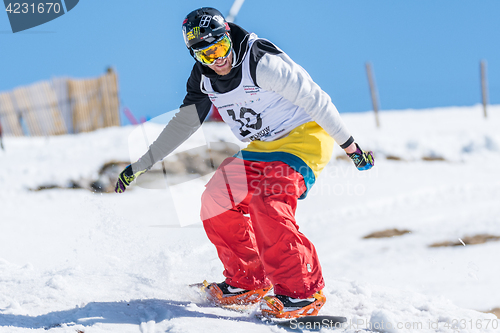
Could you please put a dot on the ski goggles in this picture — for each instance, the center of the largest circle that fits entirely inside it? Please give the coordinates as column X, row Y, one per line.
column 219, row 49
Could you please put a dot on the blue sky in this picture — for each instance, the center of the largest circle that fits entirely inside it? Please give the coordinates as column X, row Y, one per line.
column 424, row 53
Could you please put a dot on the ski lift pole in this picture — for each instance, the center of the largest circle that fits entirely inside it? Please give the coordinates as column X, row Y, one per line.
column 373, row 91
column 235, row 8
column 484, row 88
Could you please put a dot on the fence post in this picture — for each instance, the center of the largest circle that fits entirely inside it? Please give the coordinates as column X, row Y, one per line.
column 1, row 137
column 373, row 92
column 484, row 87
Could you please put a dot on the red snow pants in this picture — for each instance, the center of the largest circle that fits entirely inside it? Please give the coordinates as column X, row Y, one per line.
column 248, row 212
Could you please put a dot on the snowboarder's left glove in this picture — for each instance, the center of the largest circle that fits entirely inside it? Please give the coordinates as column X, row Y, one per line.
column 126, row 177
column 363, row 160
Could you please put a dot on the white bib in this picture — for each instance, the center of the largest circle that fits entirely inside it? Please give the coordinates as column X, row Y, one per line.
column 253, row 113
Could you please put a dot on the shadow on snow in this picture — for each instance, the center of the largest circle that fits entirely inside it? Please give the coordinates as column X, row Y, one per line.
column 133, row 312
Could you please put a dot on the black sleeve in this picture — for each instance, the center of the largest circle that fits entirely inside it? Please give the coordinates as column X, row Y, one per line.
column 191, row 115
column 259, row 48
column 194, row 94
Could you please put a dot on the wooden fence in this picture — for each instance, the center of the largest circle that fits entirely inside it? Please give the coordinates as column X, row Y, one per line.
column 61, row 106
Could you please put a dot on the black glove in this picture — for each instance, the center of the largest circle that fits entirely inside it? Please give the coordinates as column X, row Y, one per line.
column 126, row 177
column 363, row 160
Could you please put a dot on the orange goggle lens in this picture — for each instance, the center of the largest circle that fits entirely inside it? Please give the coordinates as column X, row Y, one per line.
column 219, row 49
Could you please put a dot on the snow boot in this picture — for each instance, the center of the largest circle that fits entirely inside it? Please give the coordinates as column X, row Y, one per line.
column 285, row 307
column 224, row 294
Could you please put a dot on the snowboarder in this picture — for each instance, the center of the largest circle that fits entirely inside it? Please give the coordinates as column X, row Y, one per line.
column 248, row 206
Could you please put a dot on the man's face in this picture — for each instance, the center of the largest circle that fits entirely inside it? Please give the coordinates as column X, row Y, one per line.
column 222, row 66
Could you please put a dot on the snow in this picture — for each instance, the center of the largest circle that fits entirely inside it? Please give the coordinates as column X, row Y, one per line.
column 73, row 260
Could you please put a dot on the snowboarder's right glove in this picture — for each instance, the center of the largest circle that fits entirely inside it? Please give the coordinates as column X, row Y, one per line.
column 363, row 160
column 126, row 177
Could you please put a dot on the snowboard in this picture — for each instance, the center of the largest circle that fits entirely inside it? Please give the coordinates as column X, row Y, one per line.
column 313, row 323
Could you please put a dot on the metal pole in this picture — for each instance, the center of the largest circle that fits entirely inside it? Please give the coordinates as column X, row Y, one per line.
column 484, row 87
column 235, row 8
column 373, row 91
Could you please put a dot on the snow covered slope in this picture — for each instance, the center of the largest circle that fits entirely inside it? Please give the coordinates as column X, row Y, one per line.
column 73, row 260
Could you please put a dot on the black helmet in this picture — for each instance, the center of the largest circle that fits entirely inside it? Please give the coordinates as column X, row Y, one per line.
column 203, row 26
